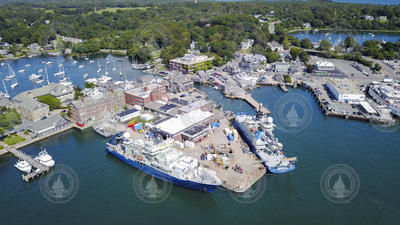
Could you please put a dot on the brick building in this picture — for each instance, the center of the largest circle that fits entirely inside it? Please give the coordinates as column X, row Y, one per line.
column 146, row 94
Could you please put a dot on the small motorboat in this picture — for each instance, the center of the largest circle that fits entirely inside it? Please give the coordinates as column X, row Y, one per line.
column 21, row 71
column 27, row 65
column 75, row 62
column 81, row 66
column 39, row 81
column 45, row 159
column 14, row 85
column 40, row 70
column 23, row 166
column 34, row 76
column 85, row 75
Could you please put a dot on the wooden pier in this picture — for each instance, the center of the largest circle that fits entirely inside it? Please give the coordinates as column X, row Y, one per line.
column 283, row 87
column 249, row 99
column 38, row 167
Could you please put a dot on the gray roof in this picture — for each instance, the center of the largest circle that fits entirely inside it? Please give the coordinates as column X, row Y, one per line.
column 55, row 120
column 90, row 101
column 28, row 103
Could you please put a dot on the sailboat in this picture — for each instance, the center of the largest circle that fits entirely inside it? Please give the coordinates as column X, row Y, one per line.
column 114, row 68
column 120, row 71
column 15, row 84
column 98, row 66
column 6, row 95
column 60, row 72
column 12, row 73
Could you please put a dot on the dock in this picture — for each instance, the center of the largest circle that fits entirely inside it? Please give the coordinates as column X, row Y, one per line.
column 39, row 168
column 249, row 99
column 283, row 88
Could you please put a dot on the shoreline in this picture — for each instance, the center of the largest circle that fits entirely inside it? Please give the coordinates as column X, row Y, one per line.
column 339, row 30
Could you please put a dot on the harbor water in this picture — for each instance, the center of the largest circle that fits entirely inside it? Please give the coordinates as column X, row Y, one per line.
column 339, row 36
column 106, row 191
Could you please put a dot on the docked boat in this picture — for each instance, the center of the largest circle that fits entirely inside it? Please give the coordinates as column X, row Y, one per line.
column 39, row 81
column 23, row 166
column 21, row 71
column 158, row 158
column 91, row 61
column 49, row 63
column 34, row 76
column 81, row 66
column 103, row 131
column 91, row 80
column 257, row 132
column 45, row 159
column 85, row 75
column 40, row 70
column 14, row 85
column 27, row 65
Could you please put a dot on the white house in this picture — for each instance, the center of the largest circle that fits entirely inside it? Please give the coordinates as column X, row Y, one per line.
column 368, row 17
column 127, row 115
column 345, row 90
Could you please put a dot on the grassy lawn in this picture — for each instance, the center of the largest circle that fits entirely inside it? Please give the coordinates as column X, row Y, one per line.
column 1, row 147
column 13, row 139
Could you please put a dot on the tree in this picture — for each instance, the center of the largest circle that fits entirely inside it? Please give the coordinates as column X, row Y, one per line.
column 325, row 45
column 294, row 52
column 89, row 85
column 272, row 57
column 77, row 92
column 306, row 43
column 349, row 42
column 304, row 57
column 376, row 67
column 287, row 78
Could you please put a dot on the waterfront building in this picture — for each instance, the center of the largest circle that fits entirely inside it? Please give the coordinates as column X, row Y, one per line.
column 281, row 67
column 345, row 90
column 202, row 104
column 34, row 48
column 324, row 66
column 175, row 126
column 245, row 80
column 147, row 79
column 3, row 52
column 146, row 94
column 178, row 82
column 127, row 115
column 93, row 108
column 386, row 93
column 191, row 63
column 28, row 107
column 48, row 125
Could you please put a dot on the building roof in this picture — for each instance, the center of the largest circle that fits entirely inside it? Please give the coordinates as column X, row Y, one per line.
column 324, row 64
column 194, row 105
column 144, row 91
column 127, row 112
column 177, row 124
column 368, row 107
column 345, row 86
column 49, row 122
column 190, row 59
column 90, row 101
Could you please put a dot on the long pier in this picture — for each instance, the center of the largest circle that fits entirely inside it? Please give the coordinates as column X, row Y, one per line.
column 39, row 168
column 249, row 99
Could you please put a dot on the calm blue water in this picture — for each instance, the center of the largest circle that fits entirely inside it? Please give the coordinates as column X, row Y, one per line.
column 106, row 194
column 71, row 70
column 336, row 37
